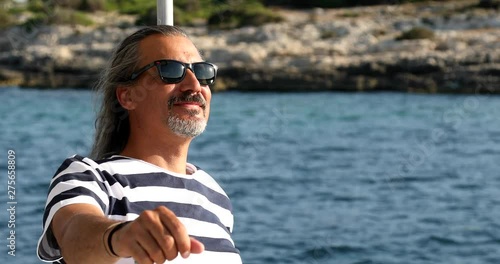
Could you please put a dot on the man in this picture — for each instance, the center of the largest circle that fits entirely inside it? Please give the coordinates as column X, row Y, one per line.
column 138, row 200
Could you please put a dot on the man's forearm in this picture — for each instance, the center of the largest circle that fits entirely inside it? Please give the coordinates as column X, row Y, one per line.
column 83, row 241
column 153, row 237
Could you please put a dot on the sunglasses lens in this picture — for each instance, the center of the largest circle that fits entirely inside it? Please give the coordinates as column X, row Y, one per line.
column 172, row 72
column 205, row 73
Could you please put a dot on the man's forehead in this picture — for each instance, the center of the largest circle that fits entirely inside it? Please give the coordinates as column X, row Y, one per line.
column 158, row 46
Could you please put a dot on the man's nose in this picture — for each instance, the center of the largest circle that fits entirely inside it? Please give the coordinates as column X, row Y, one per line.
column 190, row 83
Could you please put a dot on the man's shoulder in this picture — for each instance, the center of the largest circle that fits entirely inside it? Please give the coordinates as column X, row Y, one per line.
column 83, row 159
column 89, row 163
column 111, row 159
column 74, row 162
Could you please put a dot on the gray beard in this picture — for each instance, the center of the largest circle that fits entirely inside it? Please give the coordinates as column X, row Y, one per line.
column 186, row 128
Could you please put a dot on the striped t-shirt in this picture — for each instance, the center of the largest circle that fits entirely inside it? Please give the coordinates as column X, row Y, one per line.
column 123, row 187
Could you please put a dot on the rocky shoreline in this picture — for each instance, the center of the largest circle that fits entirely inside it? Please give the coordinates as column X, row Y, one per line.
column 315, row 50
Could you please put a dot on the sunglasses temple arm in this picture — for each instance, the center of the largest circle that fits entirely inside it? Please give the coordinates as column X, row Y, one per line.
column 141, row 71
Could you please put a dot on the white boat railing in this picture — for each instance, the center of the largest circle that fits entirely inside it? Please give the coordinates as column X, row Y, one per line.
column 165, row 12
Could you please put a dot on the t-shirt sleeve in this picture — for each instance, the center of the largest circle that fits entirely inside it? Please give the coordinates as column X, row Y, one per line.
column 77, row 181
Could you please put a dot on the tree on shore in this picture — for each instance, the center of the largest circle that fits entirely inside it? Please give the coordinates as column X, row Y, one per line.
column 489, row 4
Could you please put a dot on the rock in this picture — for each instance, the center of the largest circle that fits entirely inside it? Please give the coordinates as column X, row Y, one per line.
column 313, row 50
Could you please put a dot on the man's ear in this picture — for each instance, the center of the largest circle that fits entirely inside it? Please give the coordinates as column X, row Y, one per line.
column 124, row 96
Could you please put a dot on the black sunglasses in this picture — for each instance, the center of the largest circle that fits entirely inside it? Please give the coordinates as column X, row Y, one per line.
column 172, row 71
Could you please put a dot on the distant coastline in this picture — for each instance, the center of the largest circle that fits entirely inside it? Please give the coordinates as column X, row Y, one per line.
column 445, row 47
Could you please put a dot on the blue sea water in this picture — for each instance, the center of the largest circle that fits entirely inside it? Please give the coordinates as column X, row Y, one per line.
column 344, row 178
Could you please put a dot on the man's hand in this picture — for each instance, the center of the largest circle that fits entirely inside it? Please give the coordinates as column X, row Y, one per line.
column 155, row 236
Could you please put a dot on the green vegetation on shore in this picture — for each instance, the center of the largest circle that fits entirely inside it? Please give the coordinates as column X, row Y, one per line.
column 235, row 13
column 223, row 14
column 417, row 33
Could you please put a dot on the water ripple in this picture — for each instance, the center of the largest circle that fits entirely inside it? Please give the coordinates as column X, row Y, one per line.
column 314, row 178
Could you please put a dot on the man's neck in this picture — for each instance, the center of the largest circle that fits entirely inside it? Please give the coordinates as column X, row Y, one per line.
column 170, row 155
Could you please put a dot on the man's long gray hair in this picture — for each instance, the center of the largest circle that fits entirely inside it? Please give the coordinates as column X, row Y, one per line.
column 112, row 123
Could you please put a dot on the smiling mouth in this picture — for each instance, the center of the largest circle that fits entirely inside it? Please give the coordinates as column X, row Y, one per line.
column 192, row 107
column 188, row 104
column 188, row 101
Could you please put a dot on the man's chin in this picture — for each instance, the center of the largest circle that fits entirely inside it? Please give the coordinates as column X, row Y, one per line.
column 187, row 127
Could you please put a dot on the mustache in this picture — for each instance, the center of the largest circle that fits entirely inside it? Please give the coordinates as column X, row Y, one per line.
column 187, row 98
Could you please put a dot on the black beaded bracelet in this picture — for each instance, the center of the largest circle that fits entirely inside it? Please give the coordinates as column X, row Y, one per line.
column 113, row 230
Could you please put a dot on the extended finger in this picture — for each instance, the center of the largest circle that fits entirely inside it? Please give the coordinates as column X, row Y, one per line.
column 176, row 229
column 196, row 246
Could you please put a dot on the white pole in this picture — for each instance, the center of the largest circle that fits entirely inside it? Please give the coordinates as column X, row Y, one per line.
column 165, row 12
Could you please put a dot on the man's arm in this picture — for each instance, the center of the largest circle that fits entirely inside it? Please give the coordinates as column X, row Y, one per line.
column 155, row 236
